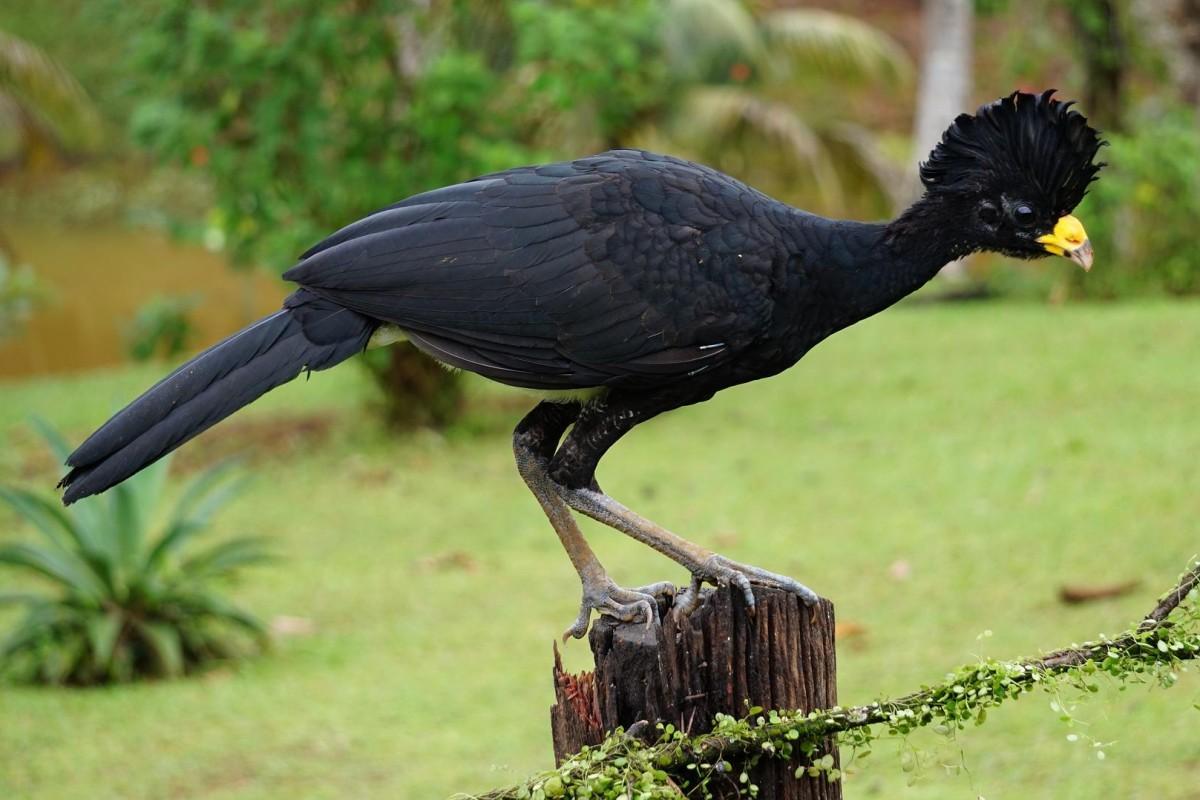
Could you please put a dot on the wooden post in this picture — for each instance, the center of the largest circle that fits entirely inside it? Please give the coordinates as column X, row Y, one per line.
column 686, row 670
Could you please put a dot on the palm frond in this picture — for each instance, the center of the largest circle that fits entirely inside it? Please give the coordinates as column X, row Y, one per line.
column 717, row 113
column 145, row 494
column 696, row 30
column 45, row 515
column 74, row 549
column 835, row 44
column 42, row 624
column 64, row 568
column 59, row 447
column 49, row 93
column 88, row 517
column 218, row 608
column 103, row 632
column 870, row 158
column 192, row 513
column 165, row 644
column 225, row 558
column 21, row 598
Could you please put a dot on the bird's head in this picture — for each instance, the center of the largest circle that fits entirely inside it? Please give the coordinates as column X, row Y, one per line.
column 1016, row 169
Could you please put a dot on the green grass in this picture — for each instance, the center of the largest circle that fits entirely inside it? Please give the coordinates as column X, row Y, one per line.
column 1000, row 450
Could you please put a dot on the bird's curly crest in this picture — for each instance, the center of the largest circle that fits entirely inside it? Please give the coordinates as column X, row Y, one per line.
column 1024, row 143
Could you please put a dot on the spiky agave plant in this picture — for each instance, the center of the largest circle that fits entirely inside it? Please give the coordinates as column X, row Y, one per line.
column 131, row 593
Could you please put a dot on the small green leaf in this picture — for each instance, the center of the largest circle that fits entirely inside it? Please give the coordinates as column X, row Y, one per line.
column 165, row 644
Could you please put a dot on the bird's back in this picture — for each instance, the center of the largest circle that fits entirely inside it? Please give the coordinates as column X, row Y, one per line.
column 625, row 268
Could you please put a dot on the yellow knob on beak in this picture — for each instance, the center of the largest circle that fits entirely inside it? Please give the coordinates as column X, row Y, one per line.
column 1069, row 240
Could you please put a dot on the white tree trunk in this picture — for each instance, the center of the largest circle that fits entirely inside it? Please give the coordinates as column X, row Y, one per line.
column 1174, row 25
column 944, row 90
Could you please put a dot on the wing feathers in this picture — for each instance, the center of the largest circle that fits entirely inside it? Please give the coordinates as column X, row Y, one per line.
column 587, row 273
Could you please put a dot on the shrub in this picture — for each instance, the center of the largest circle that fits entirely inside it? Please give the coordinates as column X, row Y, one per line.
column 20, row 294
column 125, row 603
column 162, row 327
column 1142, row 213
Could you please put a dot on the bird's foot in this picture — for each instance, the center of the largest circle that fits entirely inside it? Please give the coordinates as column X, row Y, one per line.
column 626, row 605
column 722, row 571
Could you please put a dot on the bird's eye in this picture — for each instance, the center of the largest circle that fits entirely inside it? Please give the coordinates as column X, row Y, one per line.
column 1024, row 215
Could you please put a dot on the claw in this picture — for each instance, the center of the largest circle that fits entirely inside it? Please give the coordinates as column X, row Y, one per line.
column 611, row 600
column 688, row 600
column 742, row 583
column 723, row 572
column 579, row 627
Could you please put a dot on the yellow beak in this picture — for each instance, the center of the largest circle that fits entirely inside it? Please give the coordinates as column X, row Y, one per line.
column 1069, row 240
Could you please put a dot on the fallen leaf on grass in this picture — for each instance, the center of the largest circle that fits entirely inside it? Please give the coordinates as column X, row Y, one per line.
column 284, row 625
column 1085, row 593
column 900, row 570
column 846, row 631
column 450, row 561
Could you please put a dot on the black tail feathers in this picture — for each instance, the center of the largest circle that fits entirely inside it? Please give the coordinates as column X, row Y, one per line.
column 310, row 333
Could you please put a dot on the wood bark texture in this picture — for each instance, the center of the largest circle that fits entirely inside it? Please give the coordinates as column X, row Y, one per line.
column 719, row 659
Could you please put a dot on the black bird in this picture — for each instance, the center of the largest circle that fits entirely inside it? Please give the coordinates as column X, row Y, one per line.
column 627, row 284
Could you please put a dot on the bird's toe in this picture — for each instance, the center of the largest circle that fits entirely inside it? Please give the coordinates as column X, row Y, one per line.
column 624, row 605
column 744, row 577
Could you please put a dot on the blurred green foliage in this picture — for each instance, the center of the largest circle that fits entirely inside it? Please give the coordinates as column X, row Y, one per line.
column 767, row 94
column 161, row 328
column 42, row 105
column 303, row 115
column 20, row 294
column 1142, row 213
column 604, row 60
column 67, row 32
column 131, row 595
column 306, row 115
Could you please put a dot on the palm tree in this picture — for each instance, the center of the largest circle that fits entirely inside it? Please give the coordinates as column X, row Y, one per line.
column 757, row 79
column 945, row 87
column 42, row 107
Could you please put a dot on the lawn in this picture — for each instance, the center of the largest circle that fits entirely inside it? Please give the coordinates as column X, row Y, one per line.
column 938, row 472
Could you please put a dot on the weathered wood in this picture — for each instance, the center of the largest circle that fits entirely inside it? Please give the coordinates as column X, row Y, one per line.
column 720, row 659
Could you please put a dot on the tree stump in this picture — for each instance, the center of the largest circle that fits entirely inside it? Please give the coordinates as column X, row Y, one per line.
column 687, row 669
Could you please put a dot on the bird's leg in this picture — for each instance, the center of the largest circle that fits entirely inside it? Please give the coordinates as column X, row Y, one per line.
column 572, row 470
column 534, row 441
column 703, row 564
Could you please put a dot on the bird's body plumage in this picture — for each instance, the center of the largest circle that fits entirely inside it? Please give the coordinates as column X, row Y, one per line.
column 648, row 281
column 626, row 269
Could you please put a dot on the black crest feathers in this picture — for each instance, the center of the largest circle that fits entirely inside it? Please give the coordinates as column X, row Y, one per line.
column 1030, row 145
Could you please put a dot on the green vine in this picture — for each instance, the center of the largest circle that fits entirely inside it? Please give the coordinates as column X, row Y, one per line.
column 624, row 767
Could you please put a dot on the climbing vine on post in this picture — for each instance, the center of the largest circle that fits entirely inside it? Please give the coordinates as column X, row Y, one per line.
column 626, row 768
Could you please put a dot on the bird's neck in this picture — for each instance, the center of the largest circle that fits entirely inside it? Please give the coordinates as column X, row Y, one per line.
column 927, row 235
column 862, row 268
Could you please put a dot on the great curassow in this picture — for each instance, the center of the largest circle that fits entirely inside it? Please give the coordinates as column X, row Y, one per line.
column 627, row 284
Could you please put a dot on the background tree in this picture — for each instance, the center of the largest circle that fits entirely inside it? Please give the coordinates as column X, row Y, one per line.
column 764, row 96
column 44, row 112
column 306, row 116
column 944, row 91
column 1102, row 44
column 1174, row 26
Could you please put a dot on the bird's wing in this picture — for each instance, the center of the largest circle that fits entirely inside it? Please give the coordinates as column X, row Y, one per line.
column 616, row 269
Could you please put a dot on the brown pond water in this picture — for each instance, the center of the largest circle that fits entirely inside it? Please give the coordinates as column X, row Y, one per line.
column 99, row 277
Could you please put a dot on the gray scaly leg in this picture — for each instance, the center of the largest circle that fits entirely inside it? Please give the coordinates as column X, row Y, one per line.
column 540, row 430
